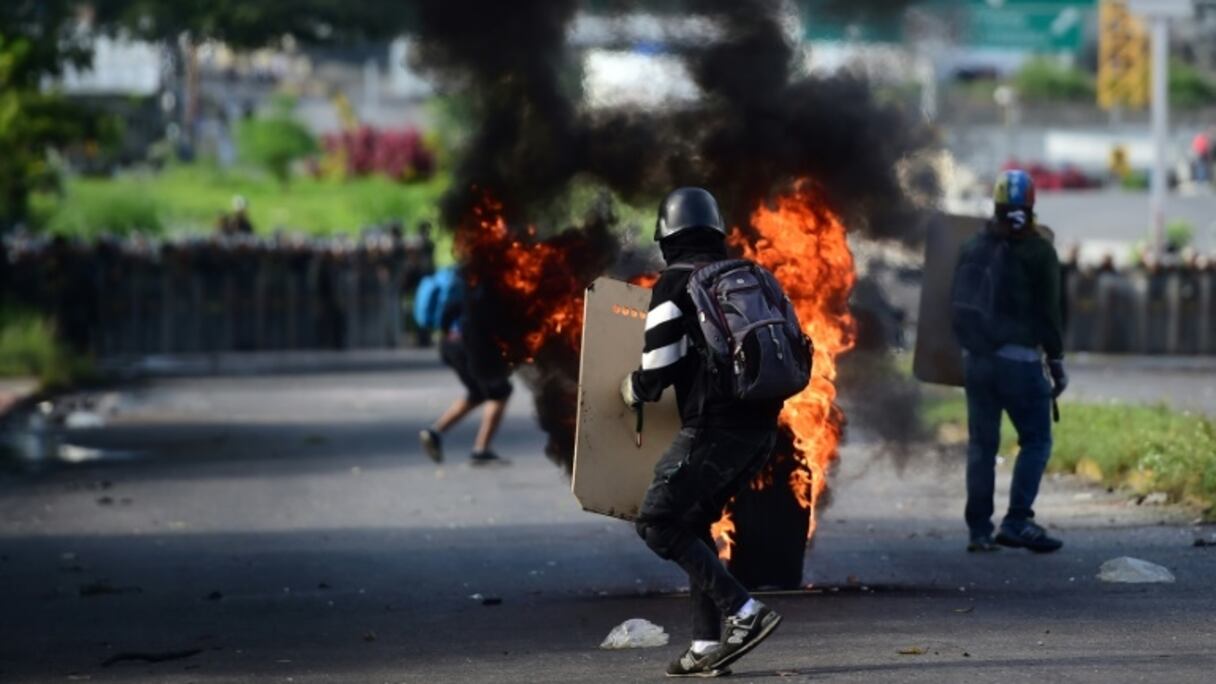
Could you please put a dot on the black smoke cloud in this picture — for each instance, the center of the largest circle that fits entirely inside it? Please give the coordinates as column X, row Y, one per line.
column 761, row 124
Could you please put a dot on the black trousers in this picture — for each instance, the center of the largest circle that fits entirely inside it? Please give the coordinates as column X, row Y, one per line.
column 694, row 479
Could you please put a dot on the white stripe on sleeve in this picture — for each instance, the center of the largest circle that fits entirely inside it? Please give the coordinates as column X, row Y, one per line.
column 667, row 311
column 665, row 356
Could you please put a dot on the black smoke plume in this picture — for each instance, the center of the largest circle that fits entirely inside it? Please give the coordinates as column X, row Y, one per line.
column 761, row 124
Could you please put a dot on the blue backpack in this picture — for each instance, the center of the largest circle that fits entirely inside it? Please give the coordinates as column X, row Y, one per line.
column 435, row 292
column 756, row 349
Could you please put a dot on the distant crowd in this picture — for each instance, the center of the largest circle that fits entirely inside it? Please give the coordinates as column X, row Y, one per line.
column 229, row 290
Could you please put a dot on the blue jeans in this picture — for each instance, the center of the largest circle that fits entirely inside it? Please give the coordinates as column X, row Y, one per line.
column 1021, row 389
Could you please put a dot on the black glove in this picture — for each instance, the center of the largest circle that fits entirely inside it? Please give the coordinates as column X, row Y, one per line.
column 1059, row 379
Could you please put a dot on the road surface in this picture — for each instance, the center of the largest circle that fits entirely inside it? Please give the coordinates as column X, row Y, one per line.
column 286, row 528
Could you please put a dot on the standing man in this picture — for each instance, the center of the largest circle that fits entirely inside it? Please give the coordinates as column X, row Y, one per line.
column 728, row 421
column 1008, row 318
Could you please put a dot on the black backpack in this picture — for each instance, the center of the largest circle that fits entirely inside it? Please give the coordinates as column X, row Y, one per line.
column 755, row 347
column 976, row 316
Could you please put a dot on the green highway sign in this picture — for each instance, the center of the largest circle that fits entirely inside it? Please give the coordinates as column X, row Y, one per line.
column 1029, row 25
column 1032, row 25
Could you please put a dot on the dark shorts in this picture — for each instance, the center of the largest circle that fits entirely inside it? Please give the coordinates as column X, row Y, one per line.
column 479, row 387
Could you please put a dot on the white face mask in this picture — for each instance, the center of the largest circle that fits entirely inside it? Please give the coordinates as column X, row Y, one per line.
column 1018, row 219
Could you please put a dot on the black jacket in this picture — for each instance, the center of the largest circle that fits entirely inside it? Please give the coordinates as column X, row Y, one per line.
column 673, row 353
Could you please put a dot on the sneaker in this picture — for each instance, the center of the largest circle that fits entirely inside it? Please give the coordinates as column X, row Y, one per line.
column 982, row 543
column 486, row 458
column 692, row 665
column 742, row 634
column 1030, row 536
column 432, row 444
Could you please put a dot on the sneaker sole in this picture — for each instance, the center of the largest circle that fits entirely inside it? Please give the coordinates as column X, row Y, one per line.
column 489, row 462
column 1015, row 543
column 765, row 632
column 430, row 447
column 706, row 674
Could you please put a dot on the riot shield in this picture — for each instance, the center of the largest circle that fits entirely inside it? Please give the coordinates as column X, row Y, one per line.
column 611, row 468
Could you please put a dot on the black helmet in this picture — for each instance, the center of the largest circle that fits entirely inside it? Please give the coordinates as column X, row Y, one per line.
column 687, row 208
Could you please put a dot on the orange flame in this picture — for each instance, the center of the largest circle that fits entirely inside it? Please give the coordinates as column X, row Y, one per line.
column 538, row 276
column 796, row 238
column 645, row 279
column 806, row 248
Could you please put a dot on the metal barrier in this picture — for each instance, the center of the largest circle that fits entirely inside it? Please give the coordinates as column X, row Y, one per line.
column 238, row 293
column 223, row 294
column 1159, row 311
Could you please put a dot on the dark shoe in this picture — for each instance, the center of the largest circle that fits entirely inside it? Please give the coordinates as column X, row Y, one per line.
column 432, row 444
column 982, row 543
column 692, row 665
column 741, row 635
column 1029, row 536
column 486, row 458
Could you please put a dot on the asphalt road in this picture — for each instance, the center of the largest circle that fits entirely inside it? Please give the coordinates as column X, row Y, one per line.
column 286, row 528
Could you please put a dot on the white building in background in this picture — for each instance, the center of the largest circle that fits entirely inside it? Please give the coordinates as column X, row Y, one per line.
column 120, row 67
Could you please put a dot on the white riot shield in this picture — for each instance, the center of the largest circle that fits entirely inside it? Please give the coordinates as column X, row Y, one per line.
column 611, row 470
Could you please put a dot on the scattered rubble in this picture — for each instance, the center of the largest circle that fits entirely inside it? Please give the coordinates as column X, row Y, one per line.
column 486, row 600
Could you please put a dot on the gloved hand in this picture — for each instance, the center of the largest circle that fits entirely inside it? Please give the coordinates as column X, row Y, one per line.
column 1059, row 378
column 631, row 400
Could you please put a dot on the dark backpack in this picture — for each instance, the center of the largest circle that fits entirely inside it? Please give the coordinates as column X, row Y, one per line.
column 976, row 316
column 755, row 347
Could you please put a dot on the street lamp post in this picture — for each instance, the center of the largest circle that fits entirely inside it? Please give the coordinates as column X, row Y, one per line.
column 1159, row 13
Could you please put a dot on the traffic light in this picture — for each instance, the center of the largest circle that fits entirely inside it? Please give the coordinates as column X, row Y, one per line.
column 1123, row 57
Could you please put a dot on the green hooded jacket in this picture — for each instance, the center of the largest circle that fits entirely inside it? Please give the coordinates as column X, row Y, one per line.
column 1030, row 291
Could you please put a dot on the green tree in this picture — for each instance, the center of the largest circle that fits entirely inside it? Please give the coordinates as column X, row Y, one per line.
column 1190, row 87
column 1046, row 80
column 34, row 123
column 275, row 141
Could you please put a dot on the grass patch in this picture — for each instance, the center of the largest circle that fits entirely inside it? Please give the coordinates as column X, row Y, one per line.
column 1145, row 448
column 29, row 348
column 189, row 199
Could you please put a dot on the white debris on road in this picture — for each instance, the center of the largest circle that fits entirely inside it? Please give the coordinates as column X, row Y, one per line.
column 635, row 633
column 1134, row 571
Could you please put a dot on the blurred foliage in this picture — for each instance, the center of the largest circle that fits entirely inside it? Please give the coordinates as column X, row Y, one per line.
column 44, row 27
column 189, row 198
column 1043, row 79
column 1190, row 87
column 33, row 123
column 275, row 140
column 454, row 118
column 29, row 347
column 246, row 24
column 100, row 207
column 1179, row 233
column 1145, row 448
column 398, row 154
column 1135, row 180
